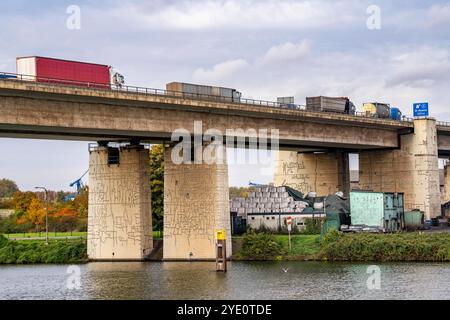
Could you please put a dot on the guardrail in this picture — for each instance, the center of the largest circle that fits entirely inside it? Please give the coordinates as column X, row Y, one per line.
column 168, row 93
column 443, row 123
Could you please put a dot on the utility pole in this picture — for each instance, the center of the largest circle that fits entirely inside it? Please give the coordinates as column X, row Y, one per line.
column 46, row 212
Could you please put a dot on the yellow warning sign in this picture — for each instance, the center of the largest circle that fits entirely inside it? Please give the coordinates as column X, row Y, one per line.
column 220, row 234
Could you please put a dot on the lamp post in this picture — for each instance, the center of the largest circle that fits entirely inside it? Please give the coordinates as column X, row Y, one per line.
column 46, row 212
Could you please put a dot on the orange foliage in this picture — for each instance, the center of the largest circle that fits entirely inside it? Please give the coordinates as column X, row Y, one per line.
column 66, row 212
column 36, row 212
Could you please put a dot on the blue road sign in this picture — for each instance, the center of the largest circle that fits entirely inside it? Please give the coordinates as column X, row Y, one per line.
column 420, row 109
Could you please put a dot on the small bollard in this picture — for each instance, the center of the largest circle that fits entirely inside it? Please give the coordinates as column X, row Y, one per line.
column 221, row 251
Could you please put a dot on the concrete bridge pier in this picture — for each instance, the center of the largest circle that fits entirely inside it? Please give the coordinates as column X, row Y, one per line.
column 325, row 173
column 119, row 223
column 445, row 193
column 196, row 204
column 412, row 169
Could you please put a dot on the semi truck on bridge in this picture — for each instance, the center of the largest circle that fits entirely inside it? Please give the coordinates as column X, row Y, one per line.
column 100, row 76
column 68, row 72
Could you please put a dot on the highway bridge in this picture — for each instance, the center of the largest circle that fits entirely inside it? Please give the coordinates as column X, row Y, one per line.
column 395, row 156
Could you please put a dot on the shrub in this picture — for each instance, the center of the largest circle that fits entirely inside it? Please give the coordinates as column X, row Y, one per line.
column 313, row 225
column 3, row 240
column 261, row 246
column 57, row 251
column 386, row 247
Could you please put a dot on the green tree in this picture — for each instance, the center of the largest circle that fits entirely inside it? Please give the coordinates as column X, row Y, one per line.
column 60, row 197
column 157, row 184
column 7, row 188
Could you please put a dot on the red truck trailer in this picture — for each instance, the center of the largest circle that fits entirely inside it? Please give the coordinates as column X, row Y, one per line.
column 50, row 70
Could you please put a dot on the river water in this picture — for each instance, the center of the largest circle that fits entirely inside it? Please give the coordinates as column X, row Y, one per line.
column 244, row 280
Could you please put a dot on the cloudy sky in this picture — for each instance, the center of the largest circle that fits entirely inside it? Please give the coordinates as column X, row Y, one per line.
column 263, row 48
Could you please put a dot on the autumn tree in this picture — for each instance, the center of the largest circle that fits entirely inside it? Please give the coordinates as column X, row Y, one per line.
column 36, row 213
column 22, row 200
column 157, row 185
column 240, row 192
column 81, row 202
column 7, row 188
column 65, row 219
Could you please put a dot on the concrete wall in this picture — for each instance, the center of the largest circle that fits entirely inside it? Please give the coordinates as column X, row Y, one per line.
column 273, row 221
column 195, row 206
column 324, row 173
column 413, row 169
column 119, row 223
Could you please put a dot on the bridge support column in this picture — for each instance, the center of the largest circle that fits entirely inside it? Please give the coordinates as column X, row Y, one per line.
column 446, row 192
column 196, row 204
column 119, row 223
column 412, row 169
column 324, row 173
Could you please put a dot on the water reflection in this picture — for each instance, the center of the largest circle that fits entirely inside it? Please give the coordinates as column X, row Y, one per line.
column 245, row 280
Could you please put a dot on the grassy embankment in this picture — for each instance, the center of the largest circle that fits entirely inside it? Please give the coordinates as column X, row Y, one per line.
column 346, row 247
column 41, row 235
column 56, row 251
column 333, row 247
column 37, row 251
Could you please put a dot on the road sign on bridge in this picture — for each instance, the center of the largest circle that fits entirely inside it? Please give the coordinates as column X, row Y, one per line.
column 420, row 109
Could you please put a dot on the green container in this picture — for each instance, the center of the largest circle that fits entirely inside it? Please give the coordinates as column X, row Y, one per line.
column 367, row 208
column 377, row 209
column 414, row 219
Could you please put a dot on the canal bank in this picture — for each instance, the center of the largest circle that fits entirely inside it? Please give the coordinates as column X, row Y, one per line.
column 338, row 246
column 334, row 246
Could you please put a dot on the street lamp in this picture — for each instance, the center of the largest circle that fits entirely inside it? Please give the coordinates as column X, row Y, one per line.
column 46, row 212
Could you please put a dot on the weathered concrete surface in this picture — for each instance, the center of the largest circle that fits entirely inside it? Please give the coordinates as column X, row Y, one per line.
column 196, row 204
column 41, row 111
column 324, row 173
column 446, row 192
column 119, row 223
column 413, row 169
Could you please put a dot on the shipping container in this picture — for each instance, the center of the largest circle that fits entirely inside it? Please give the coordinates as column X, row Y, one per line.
column 287, row 102
column 396, row 114
column 197, row 91
column 50, row 70
column 330, row 104
column 378, row 110
column 377, row 209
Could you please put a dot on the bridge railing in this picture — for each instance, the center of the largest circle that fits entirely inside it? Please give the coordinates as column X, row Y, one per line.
column 443, row 123
column 167, row 93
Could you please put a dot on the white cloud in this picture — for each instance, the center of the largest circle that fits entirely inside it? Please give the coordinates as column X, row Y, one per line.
column 244, row 14
column 438, row 14
column 421, row 67
column 287, row 52
column 220, row 71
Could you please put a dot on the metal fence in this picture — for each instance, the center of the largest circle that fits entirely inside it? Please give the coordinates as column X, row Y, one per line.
column 167, row 93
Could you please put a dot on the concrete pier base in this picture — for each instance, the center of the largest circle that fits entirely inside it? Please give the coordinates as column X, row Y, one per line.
column 119, row 223
column 412, row 169
column 324, row 173
column 196, row 204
